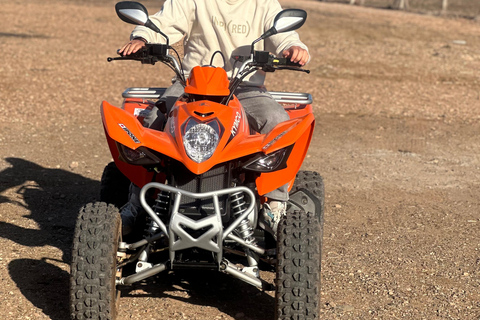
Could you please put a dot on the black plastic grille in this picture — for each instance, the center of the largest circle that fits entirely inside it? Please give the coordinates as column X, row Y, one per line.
column 215, row 179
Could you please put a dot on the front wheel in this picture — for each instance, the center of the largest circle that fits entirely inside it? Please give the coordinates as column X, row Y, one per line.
column 299, row 245
column 93, row 293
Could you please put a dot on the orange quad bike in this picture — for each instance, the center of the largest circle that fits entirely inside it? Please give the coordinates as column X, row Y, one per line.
column 203, row 179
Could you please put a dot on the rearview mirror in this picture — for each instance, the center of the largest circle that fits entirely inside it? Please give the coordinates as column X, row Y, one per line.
column 135, row 13
column 132, row 12
column 289, row 20
column 286, row 20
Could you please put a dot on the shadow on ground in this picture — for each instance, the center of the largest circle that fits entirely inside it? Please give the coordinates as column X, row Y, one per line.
column 53, row 197
column 207, row 288
column 44, row 284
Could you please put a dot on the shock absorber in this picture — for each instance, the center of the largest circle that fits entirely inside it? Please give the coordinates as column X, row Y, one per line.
column 244, row 230
column 162, row 203
column 160, row 207
column 238, row 206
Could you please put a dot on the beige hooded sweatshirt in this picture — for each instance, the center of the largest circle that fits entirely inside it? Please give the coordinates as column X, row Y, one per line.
column 229, row 26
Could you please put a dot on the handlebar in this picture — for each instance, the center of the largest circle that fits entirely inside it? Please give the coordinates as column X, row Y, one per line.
column 286, row 64
column 153, row 53
column 149, row 54
column 259, row 60
column 269, row 63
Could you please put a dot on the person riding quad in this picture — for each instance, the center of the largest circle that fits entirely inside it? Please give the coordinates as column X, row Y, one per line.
column 228, row 26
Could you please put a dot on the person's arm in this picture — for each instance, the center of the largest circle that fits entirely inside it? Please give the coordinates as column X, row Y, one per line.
column 286, row 44
column 175, row 20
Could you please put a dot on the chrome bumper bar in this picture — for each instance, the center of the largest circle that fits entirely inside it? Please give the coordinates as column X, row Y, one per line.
column 212, row 239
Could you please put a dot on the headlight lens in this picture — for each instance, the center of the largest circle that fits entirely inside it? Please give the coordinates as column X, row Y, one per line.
column 271, row 162
column 201, row 139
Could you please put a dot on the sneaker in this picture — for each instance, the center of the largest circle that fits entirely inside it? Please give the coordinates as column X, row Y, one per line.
column 128, row 213
column 271, row 215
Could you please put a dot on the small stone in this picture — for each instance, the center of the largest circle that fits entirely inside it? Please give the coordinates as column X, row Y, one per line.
column 73, row 165
column 345, row 308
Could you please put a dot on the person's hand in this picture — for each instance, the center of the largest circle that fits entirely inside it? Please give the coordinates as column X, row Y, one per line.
column 132, row 46
column 297, row 55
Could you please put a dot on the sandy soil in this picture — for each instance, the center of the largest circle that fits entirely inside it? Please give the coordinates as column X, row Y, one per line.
column 397, row 103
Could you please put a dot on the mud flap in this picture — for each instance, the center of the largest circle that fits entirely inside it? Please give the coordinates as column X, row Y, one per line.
column 305, row 200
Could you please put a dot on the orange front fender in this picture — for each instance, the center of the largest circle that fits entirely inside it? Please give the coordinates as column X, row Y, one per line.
column 124, row 128
column 299, row 132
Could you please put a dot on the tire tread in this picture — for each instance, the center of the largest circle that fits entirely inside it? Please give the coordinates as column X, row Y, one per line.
column 92, row 281
column 298, row 267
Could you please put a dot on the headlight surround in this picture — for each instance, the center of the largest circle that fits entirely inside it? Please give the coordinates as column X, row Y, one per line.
column 267, row 163
column 141, row 156
column 201, row 139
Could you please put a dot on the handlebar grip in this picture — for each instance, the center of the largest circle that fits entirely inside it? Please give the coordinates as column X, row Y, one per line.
column 149, row 54
column 285, row 62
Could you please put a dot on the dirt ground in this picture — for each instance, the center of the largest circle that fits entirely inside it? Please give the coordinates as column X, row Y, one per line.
column 397, row 103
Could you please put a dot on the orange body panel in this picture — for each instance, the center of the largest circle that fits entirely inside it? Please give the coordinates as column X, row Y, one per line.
column 270, row 181
column 136, row 174
column 235, row 141
column 209, row 81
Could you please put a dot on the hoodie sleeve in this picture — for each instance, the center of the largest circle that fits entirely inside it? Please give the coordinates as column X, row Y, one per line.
column 281, row 41
column 174, row 19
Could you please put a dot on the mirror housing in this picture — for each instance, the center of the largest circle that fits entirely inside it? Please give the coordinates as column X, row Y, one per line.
column 135, row 13
column 132, row 12
column 289, row 20
column 285, row 21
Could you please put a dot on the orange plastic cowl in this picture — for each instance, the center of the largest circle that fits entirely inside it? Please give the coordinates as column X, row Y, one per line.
column 209, row 81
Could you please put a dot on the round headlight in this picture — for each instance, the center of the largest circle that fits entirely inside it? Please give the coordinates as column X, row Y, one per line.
column 200, row 142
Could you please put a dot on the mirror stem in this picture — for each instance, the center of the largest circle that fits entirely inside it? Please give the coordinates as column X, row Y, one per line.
column 151, row 25
column 253, row 45
column 268, row 33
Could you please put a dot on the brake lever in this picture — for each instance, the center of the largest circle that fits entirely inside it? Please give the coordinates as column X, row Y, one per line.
column 122, row 57
column 110, row 59
column 293, row 69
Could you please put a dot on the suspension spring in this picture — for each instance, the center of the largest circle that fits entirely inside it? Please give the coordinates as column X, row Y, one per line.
column 238, row 206
column 161, row 203
column 160, row 208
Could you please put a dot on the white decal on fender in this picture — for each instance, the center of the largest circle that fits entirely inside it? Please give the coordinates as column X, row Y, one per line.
column 131, row 135
column 236, row 123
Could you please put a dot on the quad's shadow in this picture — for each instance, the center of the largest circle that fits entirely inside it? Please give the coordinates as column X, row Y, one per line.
column 53, row 197
column 209, row 288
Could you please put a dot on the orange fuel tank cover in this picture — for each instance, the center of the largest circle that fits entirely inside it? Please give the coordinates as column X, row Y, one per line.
column 209, row 81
